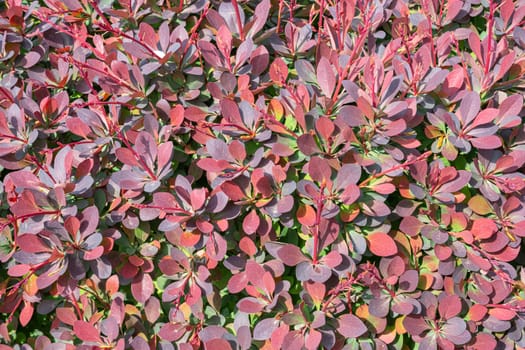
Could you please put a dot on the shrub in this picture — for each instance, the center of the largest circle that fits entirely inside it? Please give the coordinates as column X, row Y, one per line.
column 262, row 174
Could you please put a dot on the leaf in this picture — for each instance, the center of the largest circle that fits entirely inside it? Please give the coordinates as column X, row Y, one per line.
column 126, row 156
column 415, row 325
column 66, row 315
column 250, row 305
column 26, row 314
column 312, row 340
column 31, row 243
column 502, row 314
column 248, row 246
column 479, row 205
column 251, row 222
column 351, row 326
column 449, row 306
column 291, row 255
column 410, row 225
column 217, row 344
column 278, row 71
column 190, row 238
column 306, row 215
column 86, row 332
column 264, row 328
column 381, row 244
column 469, row 107
column 260, row 16
column 325, row 77
column 142, row 287
column 483, row 228
column 319, row 169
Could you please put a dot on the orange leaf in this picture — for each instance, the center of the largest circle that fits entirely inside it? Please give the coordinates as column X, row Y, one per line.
column 190, row 238
column 381, row 244
column 306, row 215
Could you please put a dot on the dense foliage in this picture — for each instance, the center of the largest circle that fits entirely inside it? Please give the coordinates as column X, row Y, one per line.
column 262, row 174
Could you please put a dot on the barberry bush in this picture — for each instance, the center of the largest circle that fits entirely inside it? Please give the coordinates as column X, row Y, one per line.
column 284, row 174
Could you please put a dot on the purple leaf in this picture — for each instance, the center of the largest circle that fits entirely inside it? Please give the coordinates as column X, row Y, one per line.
column 351, row 326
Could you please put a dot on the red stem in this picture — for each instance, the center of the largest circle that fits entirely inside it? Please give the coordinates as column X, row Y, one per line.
column 123, row 138
column 490, row 29
column 319, row 203
column 361, row 37
column 13, row 138
column 394, row 168
column 149, row 206
column 238, row 19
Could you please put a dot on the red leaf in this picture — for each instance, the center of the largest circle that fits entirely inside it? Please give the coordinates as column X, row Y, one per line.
column 216, row 344
column 30, row 243
column 177, row 115
column 233, row 190
column 316, row 290
column 325, row 127
column 381, row 244
column 312, row 340
column 278, row 71
column 291, row 255
column 94, row 253
column 319, row 169
column 77, row 127
column 332, row 259
column 194, row 114
column 477, row 312
column 87, row 332
column 112, row 285
column 486, row 142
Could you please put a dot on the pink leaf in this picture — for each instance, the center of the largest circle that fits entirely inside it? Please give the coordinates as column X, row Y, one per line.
column 251, row 222
column 26, row 314
column 198, row 197
column 486, row 142
column 126, row 156
column 87, row 332
column 250, row 305
column 142, row 287
column 483, row 228
column 291, row 255
column 410, row 225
